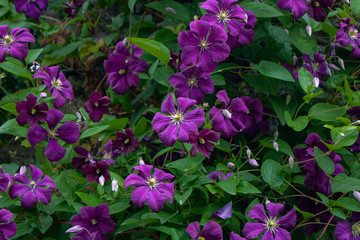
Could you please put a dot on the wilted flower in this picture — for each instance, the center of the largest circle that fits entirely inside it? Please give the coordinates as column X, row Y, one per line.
column 30, row 112
column 150, row 187
column 225, row 212
column 97, row 106
column 32, row 190
column 178, row 123
column 270, row 225
column 7, row 227
column 212, row 230
column 94, row 220
column 15, row 43
column 31, row 8
column 203, row 142
column 68, row 132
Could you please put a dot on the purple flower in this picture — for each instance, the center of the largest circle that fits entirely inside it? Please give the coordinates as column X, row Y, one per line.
column 224, row 13
column 203, row 46
column 30, row 112
column 271, row 225
column 211, row 231
column 7, row 227
column 234, row 236
column 316, row 9
column 97, row 106
column 96, row 222
column 253, row 117
column 110, row 152
column 217, row 175
column 246, row 32
column 33, row 190
column 68, row 132
column 15, row 42
column 293, row 69
column 31, row 8
column 5, row 181
column 298, row 7
column 349, row 34
column 228, row 120
column 94, row 170
column 346, row 231
column 316, row 179
column 203, row 142
column 73, row 7
column 78, row 162
column 179, row 123
column 224, row 213
column 192, row 83
column 317, row 67
column 126, row 141
column 150, row 187
column 123, row 68
column 56, row 84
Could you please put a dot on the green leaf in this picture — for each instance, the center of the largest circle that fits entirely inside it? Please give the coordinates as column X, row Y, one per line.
column 348, row 91
column 339, row 213
column 274, row 70
column 228, row 185
column 326, row 112
column 43, row 223
column 325, row 163
column 245, row 187
column 66, row 186
column 306, row 80
column 271, row 173
column 343, row 183
column 66, row 50
column 11, row 127
column 182, row 13
column 261, row 10
column 323, row 198
column 355, row 6
column 15, row 69
column 131, row 4
column 33, row 55
column 218, row 79
column 92, row 131
column 153, row 47
column 298, row 124
column 347, row 203
column 181, row 197
column 119, row 123
column 89, row 199
column 119, row 205
column 10, row 107
column 345, row 136
column 170, row 231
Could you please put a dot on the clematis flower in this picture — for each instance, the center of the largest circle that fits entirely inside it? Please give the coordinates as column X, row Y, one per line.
column 78, row 162
column 32, row 8
column 94, row 170
column 224, row 213
column 316, row 9
column 180, row 122
column 32, row 190
column 253, row 116
column 110, row 152
column 192, row 83
column 347, row 231
column 211, row 231
column 298, row 7
column 349, row 34
column 68, row 132
column 123, row 68
column 96, row 222
column 97, row 106
column 30, row 112
column 270, row 225
column 203, row 142
column 217, row 175
column 15, row 43
column 5, row 181
column 56, row 84
column 317, row 67
column 293, row 69
column 126, row 141
column 73, row 7
column 234, row 236
column 150, row 187
column 246, row 32
column 7, row 227
column 224, row 13
column 316, row 179
column 228, row 119
column 203, row 46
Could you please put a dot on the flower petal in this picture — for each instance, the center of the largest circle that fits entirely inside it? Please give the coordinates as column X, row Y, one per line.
column 193, row 229
column 253, row 230
column 288, row 220
column 29, row 199
column 257, row 213
column 69, row 132
column 140, row 196
column 53, row 151
column 36, row 134
column 274, row 209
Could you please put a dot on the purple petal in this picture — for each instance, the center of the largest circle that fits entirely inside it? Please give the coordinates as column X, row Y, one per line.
column 197, row 116
column 140, row 196
column 282, row 234
column 184, row 104
column 274, row 209
column 44, row 195
column 162, row 176
column 169, row 135
column 167, row 190
column 186, row 128
column 17, row 189
column 160, row 121
column 343, row 231
column 253, row 230
column 53, row 151
column 156, row 200
column 288, row 220
column 36, row 134
column 211, row 6
column 36, row 173
column 268, row 236
column 8, row 230
column 28, row 200
column 212, row 231
column 168, row 105
column 18, row 50
column 234, row 236
column 134, row 179
column 257, row 213
column 46, row 182
column 54, row 116
column 224, row 212
column 193, row 229
column 69, row 132
column 144, row 171
column 223, row 97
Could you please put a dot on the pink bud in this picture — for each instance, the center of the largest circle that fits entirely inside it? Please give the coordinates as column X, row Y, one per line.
column 22, row 170
column 309, row 30
column 316, row 81
column 248, row 153
column 276, row 146
column 230, row 165
column 75, row 229
column 291, row 161
column 101, row 180
column 357, row 195
column 227, row 114
column 43, row 95
column 276, row 135
column 141, row 162
column 341, row 62
column 170, row 10
column 114, row 185
column 253, row 162
column 267, row 201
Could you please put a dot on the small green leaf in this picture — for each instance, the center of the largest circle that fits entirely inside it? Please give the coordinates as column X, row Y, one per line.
column 66, row 186
column 271, row 173
column 348, row 90
column 89, row 199
column 261, row 10
column 153, row 47
column 229, row 186
column 343, row 183
column 245, row 187
column 43, row 223
column 119, row 205
column 306, row 80
column 11, row 127
column 274, row 70
column 33, row 55
column 345, row 136
column 326, row 112
column 325, row 163
column 298, row 124
column 131, row 4
column 119, row 123
column 10, row 107
column 181, row 197
column 92, row 131
column 339, row 213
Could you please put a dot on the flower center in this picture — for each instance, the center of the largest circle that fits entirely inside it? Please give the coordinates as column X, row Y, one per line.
column 122, row 71
column 204, row 45
column 355, row 230
column 223, row 16
column 152, row 182
column 316, row 4
column 201, row 238
column 127, row 141
column 177, row 118
column 107, row 155
column 7, row 40
column 93, row 221
column 52, row 133
column 56, row 83
column 33, row 111
column 201, row 140
column 315, row 66
column 98, row 171
column 32, row 184
column 271, row 224
column 192, row 81
column 96, row 104
column 227, row 113
column 353, row 33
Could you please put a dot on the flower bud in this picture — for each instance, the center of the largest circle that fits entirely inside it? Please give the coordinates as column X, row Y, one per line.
column 101, row 180
column 227, row 113
column 170, row 10
column 347, row 1
column 114, row 185
column 276, row 146
column 309, row 30
column 341, row 62
column 316, row 81
column 196, row 17
column 23, row 170
column 357, row 195
column 43, row 94
column 75, row 229
column 253, row 162
column 248, row 153
column 291, row 161
column 267, row 201
column 230, row 165
column 141, row 161
column 276, row 135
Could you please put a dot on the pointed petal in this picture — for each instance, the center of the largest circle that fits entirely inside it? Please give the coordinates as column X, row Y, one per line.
column 36, row 134
column 134, row 179
column 28, row 200
column 69, row 132
column 253, row 230
column 274, row 209
column 168, row 105
column 193, row 229
column 53, row 151
column 257, row 213
column 169, row 135
column 36, row 173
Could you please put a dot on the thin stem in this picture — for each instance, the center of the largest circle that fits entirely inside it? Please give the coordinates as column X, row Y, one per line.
column 102, row 80
column 297, row 111
column 326, row 226
column 51, row 18
column 7, row 94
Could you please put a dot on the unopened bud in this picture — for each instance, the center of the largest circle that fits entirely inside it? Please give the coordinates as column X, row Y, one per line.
column 253, row 162
column 276, row 146
column 22, row 170
column 141, row 162
column 248, row 153
column 291, row 161
column 267, row 201
column 43, row 94
column 341, row 62
column 170, row 10
column 316, row 81
column 101, row 180
column 114, row 185
column 196, row 17
column 308, row 30
column 347, row 1
column 276, row 135
column 230, row 165
column 125, row 41
column 75, row 229
column 227, row 114
column 35, row 66
column 357, row 195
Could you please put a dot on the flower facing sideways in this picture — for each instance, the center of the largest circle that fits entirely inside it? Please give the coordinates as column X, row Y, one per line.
column 7, row 229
